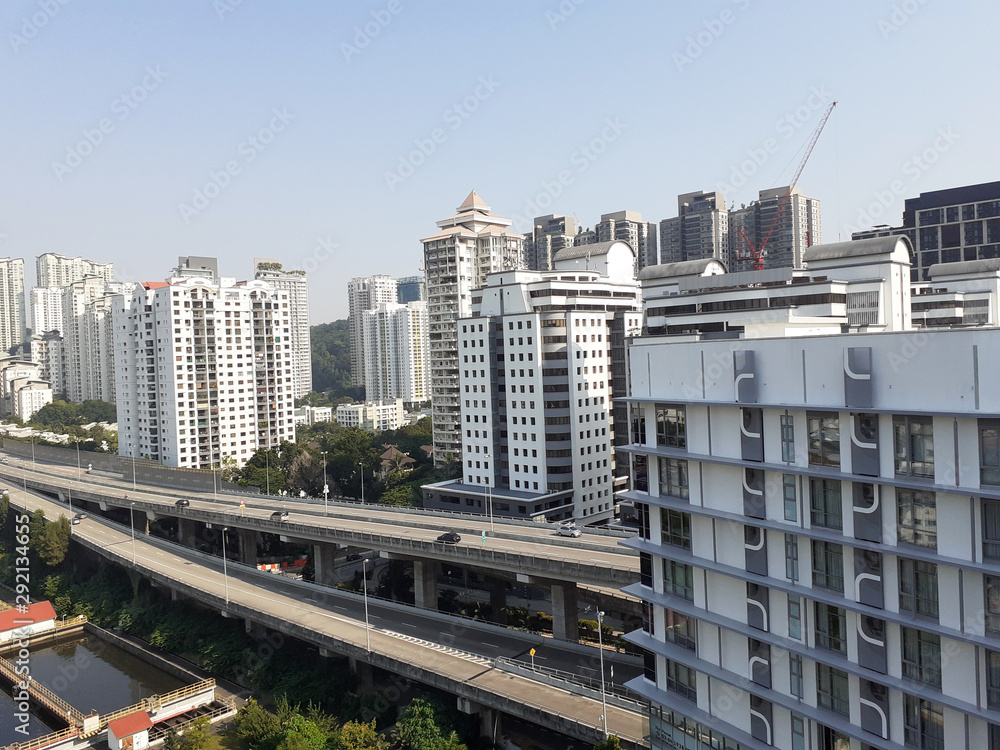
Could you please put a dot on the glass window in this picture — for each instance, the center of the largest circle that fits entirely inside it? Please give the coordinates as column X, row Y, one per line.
column 923, row 724
column 671, row 430
column 675, row 528
column 798, row 732
column 992, row 585
column 638, row 426
column 681, row 680
column 680, row 629
column 824, row 439
column 916, row 515
column 791, row 557
column 826, row 503
column 649, row 666
column 674, row 477
column 993, row 679
column 795, row 618
column 831, row 739
column 790, row 497
column 921, row 656
column 828, row 565
column 832, row 689
column 831, row 628
column 918, row 587
column 640, row 479
column 989, row 451
column 991, row 530
column 913, row 441
column 795, row 674
column 678, row 579
column 994, row 737
column 647, row 618
column 787, row 438
column 642, row 516
column 645, row 569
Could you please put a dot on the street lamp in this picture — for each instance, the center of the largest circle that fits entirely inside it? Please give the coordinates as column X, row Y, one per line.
column 215, row 488
column 267, row 468
column 364, row 588
column 132, row 451
column 225, row 572
column 131, row 523
column 326, row 487
column 489, row 493
column 32, row 452
column 604, row 701
column 361, row 475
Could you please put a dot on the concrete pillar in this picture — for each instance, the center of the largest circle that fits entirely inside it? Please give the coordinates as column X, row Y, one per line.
column 489, row 718
column 425, row 584
column 498, row 600
column 325, row 563
column 565, row 611
column 187, row 531
column 364, row 672
column 248, row 546
column 255, row 629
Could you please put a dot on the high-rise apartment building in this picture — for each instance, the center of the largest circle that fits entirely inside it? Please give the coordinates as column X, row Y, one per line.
column 53, row 269
column 196, row 267
column 204, row 370
column 87, row 341
column 470, row 244
column 48, row 353
column 798, row 228
column 817, row 485
column 13, row 326
column 548, row 235
column 625, row 226
column 700, row 229
column 535, row 363
column 947, row 226
column 46, row 309
column 397, row 353
column 293, row 282
column 411, row 289
column 365, row 293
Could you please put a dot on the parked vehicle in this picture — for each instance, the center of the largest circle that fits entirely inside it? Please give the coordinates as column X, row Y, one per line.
column 449, row 537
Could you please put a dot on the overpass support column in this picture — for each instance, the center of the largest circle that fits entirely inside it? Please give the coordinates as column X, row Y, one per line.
column 187, row 531
column 425, row 584
column 364, row 672
column 498, row 600
column 565, row 611
column 489, row 718
column 248, row 546
column 324, row 563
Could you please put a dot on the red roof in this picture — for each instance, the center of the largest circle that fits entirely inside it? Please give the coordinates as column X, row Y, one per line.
column 126, row 726
column 12, row 619
column 153, row 285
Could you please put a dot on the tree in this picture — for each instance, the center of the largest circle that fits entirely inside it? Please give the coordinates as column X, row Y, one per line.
column 255, row 726
column 401, row 496
column 611, row 743
column 303, row 734
column 195, row 736
column 417, row 729
column 54, row 541
column 357, row 736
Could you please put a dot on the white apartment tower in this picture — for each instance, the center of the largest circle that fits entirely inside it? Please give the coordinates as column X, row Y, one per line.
column 700, row 229
column 46, row 309
column 88, row 349
column 365, row 293
column 470, row 244
column 53, row 269
column 13, row 327
column 397, row 353
column 293, row 282
column 798, row 228
column 204, row 370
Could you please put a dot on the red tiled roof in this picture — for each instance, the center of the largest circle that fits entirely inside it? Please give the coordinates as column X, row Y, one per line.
column 11, row 619
column 126, row 726
column 154, row 284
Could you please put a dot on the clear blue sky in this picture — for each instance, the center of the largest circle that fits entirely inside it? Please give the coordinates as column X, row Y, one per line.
column 516, row 90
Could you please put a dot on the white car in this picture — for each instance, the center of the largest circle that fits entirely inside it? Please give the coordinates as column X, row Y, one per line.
column 568, row 529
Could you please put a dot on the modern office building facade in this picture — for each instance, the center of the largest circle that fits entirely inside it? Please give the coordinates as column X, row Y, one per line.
column 411, row 289
column 817, row 484
column 700, row 229
column 548, row 235
column 468, row 245
column 55, row 270
column 798, row 227
column 295, row 284
column 397, row 353
column 365, row 293
column 13, row 325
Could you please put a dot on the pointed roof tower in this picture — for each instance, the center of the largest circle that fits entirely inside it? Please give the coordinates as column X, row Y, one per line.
column 474, row 203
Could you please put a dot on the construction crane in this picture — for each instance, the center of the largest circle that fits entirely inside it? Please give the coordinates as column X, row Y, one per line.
column 756, row 254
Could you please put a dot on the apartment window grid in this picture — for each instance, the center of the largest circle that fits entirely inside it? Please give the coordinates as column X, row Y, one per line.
column 828, row 565
column 831, row 628
column 991, row 530
column 923, row 723
column 824, row 439
column 678, row 579
column 681, row 680
column 795, row 675
column 921, row 656
column 671, row 428
column 680, row 629
column 795, row 618
column 994, row 737
column 989, row 451
column 826, row 503
column 832, row 689
column 993, row 679
column 992, row 601
column 675, row 528
column 918, row 587
column 913, row 442
column 790, row 497
column 916, row 518
column 791, row 557
column 674, row 477
column 787, row 438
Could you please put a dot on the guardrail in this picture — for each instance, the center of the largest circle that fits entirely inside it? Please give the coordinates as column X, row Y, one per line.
column 45, row 740
column 227, row 708
column 618, row 694
column 42, row 694
column 156, row 702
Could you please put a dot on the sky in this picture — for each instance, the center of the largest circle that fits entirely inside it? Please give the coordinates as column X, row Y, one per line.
column 333, row 135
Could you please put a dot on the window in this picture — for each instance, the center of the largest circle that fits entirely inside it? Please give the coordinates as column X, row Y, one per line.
column 671, row 430
column 993, row 679
column 787, row 438
column 675, row 528
column 680, row 629
column 824, row 439
column 831, row 739
column 681, row 680
column 642, row 516
column 992, row 585
column 916, row 515
column 832, row 689
column 826, row 503
column 922, row 656
column 790, row 497
column 923, row 724
column 799, row 733
column 640, row 479
column 795, row 618
column 674, row 477
column 991, row 530
column 791, row 557
column 831, row 628
column 795, row 674
column 913, row 440
column 989, row 451
column 678, row 579
column 645, row 569
column 994, row 737
column 638, row 426
column 918, row 587
column 828, row 565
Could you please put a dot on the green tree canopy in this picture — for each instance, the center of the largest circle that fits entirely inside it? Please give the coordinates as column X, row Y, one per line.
column 54, row 541
column 417, row 729
column 358, row 736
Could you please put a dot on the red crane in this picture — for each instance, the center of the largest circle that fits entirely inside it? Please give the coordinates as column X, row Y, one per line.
column 756, row 254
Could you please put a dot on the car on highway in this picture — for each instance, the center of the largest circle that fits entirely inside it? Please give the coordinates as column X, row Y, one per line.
column 77, row 518
column 279, row 515
column 568, row 530
column 353, row 558
column 183, row 503
column 449, row 537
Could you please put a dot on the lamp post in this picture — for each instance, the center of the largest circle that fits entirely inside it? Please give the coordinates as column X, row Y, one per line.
column 79, row 469
column 131, row 523
column 489, row 492
column 364, row 588
column 604, row 701
column 32, row 452
column 267, row 469
column 225, row 572
column 361, row 476
column 215, row 487
column 326, row 488
column 132, row 451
